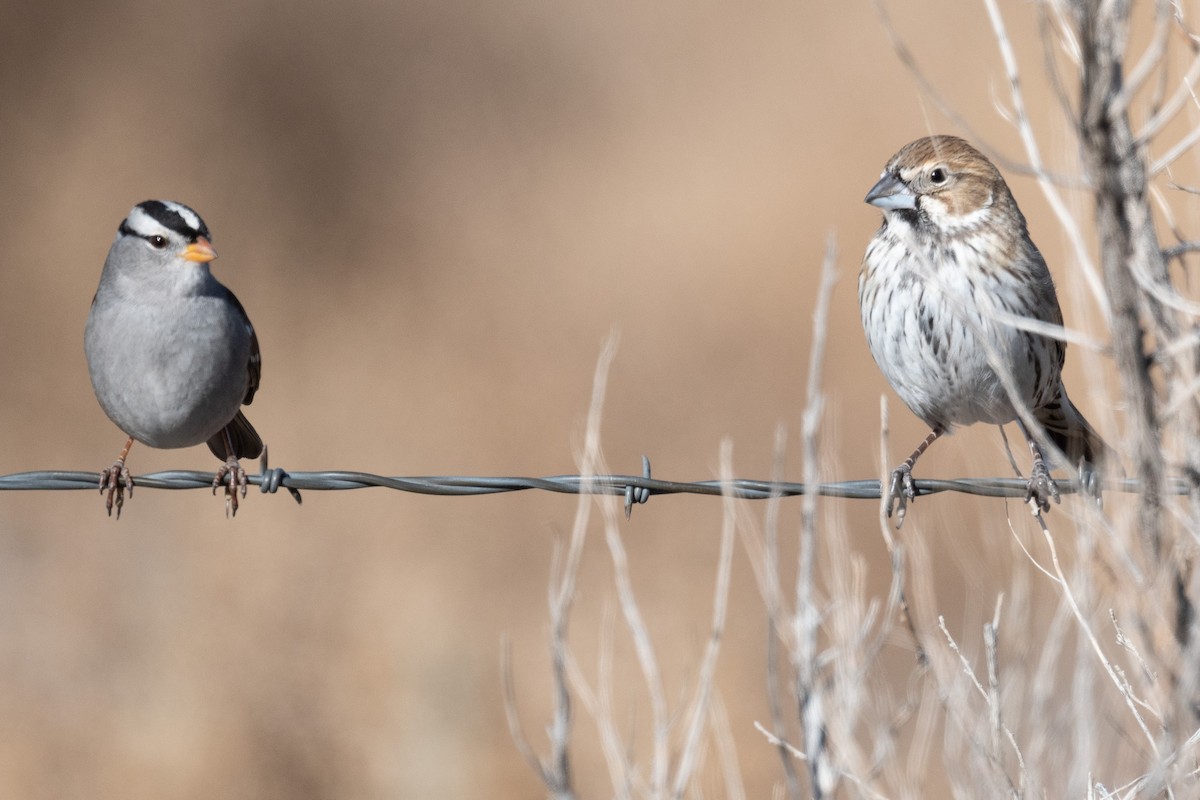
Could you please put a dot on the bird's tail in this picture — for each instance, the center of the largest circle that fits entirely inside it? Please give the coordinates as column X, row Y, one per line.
column 246, row 442
column 1075, row 437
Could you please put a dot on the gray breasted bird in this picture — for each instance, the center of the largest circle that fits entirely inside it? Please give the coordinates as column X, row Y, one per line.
column 171, row 352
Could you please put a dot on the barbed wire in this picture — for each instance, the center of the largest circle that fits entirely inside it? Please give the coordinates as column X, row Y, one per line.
column 635, row 488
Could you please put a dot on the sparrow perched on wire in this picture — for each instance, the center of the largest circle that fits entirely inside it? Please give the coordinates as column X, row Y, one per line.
column 952, row 292
column 171, row 352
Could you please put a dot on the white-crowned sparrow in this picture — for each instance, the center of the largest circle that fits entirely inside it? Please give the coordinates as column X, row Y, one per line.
column 172, row 354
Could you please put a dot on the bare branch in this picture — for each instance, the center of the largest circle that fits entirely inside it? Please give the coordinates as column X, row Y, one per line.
column 1059, row 206
column 512, row 717
column 1128, row 241
column 822, row 776
column 1151, row 60
column 773, row 595
column 1049, row 33
column 1173, row 106
column 1182, row 146
column 1181, row 249
column 945, row 108
column 708, row 665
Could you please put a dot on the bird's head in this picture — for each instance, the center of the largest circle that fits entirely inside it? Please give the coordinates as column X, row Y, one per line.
column 939, row 181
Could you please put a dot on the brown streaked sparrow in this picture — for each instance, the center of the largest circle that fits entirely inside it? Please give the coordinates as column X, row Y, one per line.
column 944, row 289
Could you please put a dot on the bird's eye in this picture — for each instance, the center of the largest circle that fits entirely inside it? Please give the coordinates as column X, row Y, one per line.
column 938, row 175
column 157, row 242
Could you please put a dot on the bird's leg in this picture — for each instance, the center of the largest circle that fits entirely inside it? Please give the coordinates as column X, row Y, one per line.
column 231, row 476
column 1041, row 487
column 901, row 490
column 115, row 480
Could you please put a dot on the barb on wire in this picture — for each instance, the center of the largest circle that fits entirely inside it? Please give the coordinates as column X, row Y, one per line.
column 637, row 494
column 270, row 480
column 634, row 488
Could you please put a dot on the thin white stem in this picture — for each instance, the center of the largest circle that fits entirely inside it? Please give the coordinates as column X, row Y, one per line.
column 1057, row 204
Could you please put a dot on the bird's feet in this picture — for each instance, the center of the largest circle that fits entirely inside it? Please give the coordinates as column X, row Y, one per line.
column 115, row 480
column 233, row 478
column 900, row 491
column 1041, row 487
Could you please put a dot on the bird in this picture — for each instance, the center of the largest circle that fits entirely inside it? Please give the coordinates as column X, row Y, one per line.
column 958, row 307
column 171, row 353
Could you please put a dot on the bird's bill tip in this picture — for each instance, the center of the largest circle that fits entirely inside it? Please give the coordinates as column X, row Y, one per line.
column 200, row 251
column 890, row 192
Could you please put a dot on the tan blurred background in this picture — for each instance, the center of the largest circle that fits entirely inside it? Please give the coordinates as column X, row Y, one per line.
column 435, row 212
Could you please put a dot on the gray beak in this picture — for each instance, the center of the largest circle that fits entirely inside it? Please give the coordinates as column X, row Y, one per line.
column 890, row 193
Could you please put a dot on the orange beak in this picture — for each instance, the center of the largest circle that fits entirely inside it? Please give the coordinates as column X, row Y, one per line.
column 200, row 251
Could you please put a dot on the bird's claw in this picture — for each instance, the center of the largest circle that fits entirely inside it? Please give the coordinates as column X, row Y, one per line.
column 1041, row 488
column 115, row 480
column 900, row 491
column 233, row 478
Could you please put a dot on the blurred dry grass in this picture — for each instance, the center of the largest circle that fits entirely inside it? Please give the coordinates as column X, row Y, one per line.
column 434, row 213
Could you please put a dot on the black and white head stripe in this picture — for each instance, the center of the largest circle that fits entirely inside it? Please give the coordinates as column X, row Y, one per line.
column 153, row 215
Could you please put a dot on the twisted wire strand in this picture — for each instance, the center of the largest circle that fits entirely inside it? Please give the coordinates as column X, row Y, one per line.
column 635, row 488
